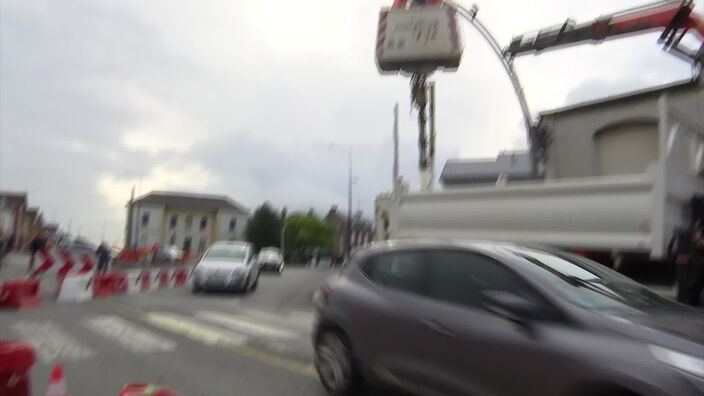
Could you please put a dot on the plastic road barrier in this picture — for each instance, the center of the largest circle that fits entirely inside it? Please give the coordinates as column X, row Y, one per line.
column 119, row 282
column 16, row 359
column 134, row 284
column 180, row 276
column 75, row 288
column 102, row 285
column 163, row 278
column 20, row 293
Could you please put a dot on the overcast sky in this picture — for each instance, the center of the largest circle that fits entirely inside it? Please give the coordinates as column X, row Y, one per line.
column 245, row 98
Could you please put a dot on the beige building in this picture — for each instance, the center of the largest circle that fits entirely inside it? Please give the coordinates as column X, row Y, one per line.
column 192, row 222
column 615, row 135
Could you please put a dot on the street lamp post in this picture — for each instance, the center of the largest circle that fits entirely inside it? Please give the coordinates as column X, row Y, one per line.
column 283, row 240
column 350, row 182
column 349, row 204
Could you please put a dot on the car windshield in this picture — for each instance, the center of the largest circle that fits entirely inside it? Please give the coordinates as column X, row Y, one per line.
column 226, row 252
column 589, row 284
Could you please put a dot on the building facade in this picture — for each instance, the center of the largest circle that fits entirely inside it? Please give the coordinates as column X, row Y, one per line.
column 189, row 221
column 13, row 222
column 615, row 135
column 362, row 231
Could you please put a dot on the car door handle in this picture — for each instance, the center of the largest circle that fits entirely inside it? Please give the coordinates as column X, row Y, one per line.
column 438, row 327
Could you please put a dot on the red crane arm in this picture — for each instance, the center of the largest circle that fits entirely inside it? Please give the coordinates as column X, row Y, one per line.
column 675, row 17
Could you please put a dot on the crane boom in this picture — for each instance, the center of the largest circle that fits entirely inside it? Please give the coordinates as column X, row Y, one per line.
column 675, row 17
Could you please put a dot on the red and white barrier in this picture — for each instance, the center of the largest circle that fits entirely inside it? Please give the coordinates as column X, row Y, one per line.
column 16, row 360
column 134, row 281
column 20, row 293
column 75, row 287
column 63, row 262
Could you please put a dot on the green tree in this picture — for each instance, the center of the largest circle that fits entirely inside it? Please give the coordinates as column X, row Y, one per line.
column 264, row 227
column 307, row 231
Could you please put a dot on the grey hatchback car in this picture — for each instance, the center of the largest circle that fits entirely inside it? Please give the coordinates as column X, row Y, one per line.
column 482, row 318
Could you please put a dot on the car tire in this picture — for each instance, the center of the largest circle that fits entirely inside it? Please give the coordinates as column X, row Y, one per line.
column 195, row 289
column 335, row 363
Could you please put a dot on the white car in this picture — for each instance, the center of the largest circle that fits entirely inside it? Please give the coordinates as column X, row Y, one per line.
column 270, row 259
column 227, row 266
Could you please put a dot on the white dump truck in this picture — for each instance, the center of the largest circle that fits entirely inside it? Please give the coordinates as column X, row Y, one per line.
column 630, row 217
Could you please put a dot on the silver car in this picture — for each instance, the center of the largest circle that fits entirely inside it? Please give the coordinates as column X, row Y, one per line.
column 481, row 318
column 227, row 266
column 270, row 259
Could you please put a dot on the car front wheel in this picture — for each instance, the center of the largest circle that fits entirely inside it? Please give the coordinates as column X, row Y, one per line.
column 334, row 363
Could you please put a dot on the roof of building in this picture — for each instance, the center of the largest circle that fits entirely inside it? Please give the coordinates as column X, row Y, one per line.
column 656, row 90
column 515, row 165
column 14, row 198
column 191, row 201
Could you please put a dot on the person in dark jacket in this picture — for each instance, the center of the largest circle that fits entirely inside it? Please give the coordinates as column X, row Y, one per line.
column 103, row 254
column 38, row 244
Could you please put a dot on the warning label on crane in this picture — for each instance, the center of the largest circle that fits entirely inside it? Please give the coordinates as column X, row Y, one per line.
column 418, row 39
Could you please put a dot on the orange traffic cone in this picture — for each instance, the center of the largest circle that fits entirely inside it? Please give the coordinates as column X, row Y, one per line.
column 57, row 385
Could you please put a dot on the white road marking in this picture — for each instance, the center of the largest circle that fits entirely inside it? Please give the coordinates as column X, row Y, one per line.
column 51, row 342
column 207, row 334
column 133, row 338
column 303, row 317
column 246, row 325
column 287, row 321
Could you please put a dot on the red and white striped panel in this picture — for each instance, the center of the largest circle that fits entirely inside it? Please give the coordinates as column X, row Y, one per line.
column 62, row 262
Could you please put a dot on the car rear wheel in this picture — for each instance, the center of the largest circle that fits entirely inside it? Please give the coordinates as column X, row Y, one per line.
column 195, row 289
column 335, row 364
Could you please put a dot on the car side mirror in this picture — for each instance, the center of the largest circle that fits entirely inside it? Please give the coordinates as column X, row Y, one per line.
column 511, row 307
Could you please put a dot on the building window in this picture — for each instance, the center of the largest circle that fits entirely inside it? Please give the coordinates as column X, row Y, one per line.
column 233, row 224
column 172, row 240
column 201, row 244
column 145, row 219
column 203, row 223
column 173, row 221
column 189, row 222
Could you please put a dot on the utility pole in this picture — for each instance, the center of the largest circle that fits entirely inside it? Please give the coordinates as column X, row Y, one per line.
column 395, row 137
column 349, row 204
column 283, row 240
column 431, row 145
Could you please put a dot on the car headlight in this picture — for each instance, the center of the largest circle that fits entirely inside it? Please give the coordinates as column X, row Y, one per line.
column 678, row 360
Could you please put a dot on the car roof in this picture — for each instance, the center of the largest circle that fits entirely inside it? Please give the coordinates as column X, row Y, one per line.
column 496, row 249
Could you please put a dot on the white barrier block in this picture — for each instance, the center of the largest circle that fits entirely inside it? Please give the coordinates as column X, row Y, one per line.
column 134, row 284
column 155, row 280
column 76, row 288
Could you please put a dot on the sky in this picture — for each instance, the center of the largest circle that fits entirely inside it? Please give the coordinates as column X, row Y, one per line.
column 263, row 101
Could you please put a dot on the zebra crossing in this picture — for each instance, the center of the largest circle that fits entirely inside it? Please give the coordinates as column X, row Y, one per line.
column 161, row 331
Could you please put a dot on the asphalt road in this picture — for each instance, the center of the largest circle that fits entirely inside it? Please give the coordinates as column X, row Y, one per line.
column 206, row 344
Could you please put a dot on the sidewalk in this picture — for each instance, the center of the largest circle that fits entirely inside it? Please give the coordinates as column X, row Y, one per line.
column 14, row 265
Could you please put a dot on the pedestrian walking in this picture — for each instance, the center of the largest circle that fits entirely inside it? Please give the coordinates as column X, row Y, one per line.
column 37, row 244
column 103, row 254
